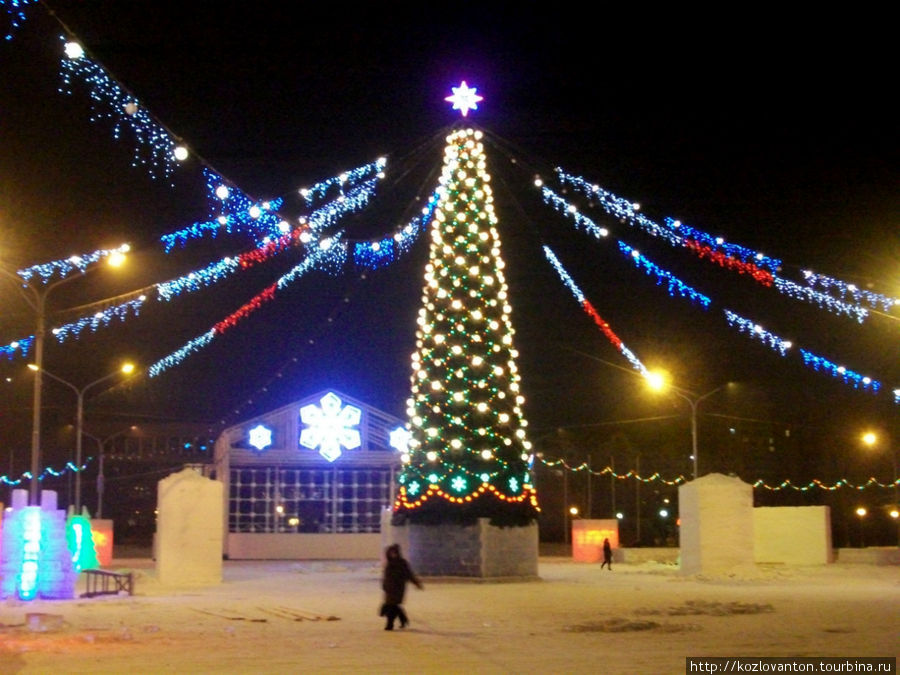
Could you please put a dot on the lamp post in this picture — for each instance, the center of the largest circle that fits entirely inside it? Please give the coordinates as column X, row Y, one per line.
column 126, row 369
column 37, row 300
column 658, row 383
column 101, row 445
column 871, row 439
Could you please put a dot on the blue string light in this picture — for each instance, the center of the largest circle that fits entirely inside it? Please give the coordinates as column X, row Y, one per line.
column 47, row 471
column 719, row 244
column 154, row 148
column 21, row 347
column 848, row 376
column 382, row 252
column 674, row 284
column 757, row 332
column 16, row 10
column 182, row 353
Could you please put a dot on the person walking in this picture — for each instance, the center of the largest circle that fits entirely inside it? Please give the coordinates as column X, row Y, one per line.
column 397, row 573
column 607, row 555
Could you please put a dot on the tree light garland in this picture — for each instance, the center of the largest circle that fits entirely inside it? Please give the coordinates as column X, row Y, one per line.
column 468, row 445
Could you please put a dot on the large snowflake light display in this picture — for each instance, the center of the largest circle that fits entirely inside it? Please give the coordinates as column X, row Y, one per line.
column 468, row 454
column 260, row 437
column 330, row 426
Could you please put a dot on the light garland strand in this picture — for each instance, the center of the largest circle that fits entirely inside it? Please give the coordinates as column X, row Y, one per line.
column 815, row 483
column 675, row 286
column 848, row 376
column 823, row 300
column 325, row 254
column 384, row 251
column 16, row 11
column 714, row 249
column 757, row 332
column 154, row 147
column 65, row 267
column 746, row 326
column 6, row 480
column 589, row 309
column 874, row 300
column 350, row 177
column 202, row 278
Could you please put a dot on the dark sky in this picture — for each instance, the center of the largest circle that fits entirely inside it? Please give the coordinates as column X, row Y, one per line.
column 776, row 132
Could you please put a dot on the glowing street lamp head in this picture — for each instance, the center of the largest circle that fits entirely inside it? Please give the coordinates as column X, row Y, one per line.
column 127, row 368
column 656, row 380
column 464, row 99
column 869, row 438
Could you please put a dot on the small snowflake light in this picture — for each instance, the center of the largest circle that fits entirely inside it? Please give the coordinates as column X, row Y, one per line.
column 464, row 99
column 260, row 437
column 399, row 439
column 330, row 426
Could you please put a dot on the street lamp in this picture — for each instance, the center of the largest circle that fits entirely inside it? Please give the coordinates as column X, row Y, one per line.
column 126, row 369
column 101, row 444
column 657, row 382
column 37, row 300
column 871, row 439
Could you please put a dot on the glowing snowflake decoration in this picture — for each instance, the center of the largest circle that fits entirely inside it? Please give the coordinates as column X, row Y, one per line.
column 330, row 426
column 399, row 439
column 413, row 488
column 458, row 484
column 513, row 484
column 464, row 99
column 260, row 437
column 433, row 478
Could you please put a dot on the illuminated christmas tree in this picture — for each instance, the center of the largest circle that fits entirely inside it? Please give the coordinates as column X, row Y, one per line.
column 468, row 456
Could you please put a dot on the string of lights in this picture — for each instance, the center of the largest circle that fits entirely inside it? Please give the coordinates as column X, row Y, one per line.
column 350, row 177
column 154, row 147
column 584, row 467
column 674, row 285
column 745, row 326
column 16, row 14
column 712, row 249
column 328, row 253
column 384, row 251
column 830, row 284
column 48, row 471
column 843, row 373
column 589, row 309
column 757, row 332
column 63, row 268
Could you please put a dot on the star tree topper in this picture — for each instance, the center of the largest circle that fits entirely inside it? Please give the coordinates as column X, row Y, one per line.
column 464, row 99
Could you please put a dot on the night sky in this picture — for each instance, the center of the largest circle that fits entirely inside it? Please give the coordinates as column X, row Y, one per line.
column 775, row 132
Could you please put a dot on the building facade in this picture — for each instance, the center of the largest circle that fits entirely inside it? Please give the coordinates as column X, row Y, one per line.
column 308, row 480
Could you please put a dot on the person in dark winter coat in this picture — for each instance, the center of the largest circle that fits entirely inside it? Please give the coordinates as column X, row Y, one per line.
column 396, row 573
column 607, row 555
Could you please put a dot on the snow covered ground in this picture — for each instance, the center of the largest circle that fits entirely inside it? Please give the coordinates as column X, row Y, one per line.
column 577, row 619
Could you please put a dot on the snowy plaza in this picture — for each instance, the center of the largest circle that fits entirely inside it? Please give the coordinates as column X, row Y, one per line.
column 273, row 617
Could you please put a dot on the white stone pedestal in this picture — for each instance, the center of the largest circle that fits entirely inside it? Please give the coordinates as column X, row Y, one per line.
column 189, row 530
column 478, row 550
column 716, row 515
